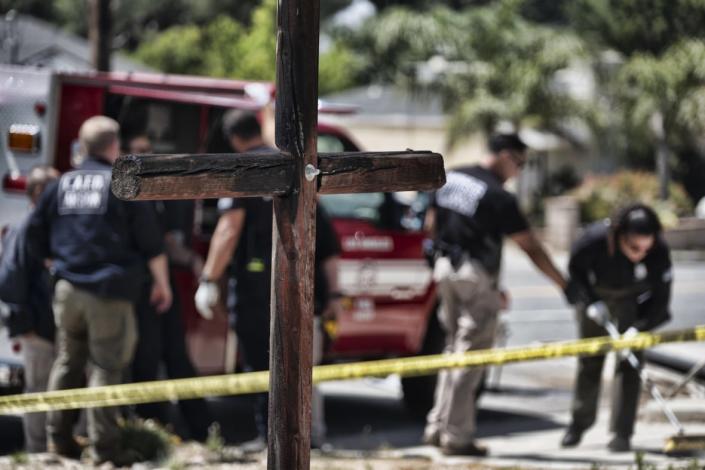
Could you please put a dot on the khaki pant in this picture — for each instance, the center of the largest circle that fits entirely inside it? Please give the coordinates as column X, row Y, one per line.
column 99, row 330
column 318, row 422
column 37, row 355
column 468, row 313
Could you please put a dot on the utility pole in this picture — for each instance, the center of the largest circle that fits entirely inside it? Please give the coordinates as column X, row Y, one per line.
column 662, row 156
column 100, row 34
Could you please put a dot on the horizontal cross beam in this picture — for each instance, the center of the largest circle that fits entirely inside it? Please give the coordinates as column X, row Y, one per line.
column 191, row 176
column 145, row 177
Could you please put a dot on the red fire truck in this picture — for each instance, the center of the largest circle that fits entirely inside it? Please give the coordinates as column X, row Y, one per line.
column 390, row 299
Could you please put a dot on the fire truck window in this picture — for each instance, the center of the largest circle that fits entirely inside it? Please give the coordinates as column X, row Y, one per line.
column 172, row 127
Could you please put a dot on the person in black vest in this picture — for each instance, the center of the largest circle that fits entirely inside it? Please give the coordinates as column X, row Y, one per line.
column 25, row 287
column 469, row 218
column 623, row 267
column 161, row 338
column 97, row 245
column 244, row 235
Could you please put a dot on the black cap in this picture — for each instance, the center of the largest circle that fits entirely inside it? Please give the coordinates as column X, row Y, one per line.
column 637, row 219
column 499, row 142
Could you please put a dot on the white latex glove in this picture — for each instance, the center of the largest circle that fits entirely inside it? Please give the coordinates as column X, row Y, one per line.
column 630, row 333
column 206, row 297
column 598, row 312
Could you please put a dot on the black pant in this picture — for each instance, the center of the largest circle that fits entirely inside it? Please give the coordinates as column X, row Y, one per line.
column 252, row 328
column 626, row 385
column 161, row 339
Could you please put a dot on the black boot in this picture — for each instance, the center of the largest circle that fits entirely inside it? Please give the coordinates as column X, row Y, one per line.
column 619, row 444
column 571, row 438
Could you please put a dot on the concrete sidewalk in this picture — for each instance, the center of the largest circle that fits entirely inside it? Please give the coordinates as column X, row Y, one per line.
column 536, row 399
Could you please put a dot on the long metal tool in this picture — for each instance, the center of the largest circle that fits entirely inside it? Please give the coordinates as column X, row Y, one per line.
column 686, row 380
column 680, row 443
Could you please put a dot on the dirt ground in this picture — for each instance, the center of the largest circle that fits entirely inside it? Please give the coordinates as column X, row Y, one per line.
column 191, row 456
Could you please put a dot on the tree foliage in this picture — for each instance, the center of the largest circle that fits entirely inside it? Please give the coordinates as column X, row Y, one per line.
column 672, row 85
column 659, row 71
column 631, row 26
column 489, row 64
column 136, row 20
column 541, row 11
column 39, row 8
column 227, row 48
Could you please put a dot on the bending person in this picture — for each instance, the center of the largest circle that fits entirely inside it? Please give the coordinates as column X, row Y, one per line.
column 624, row 265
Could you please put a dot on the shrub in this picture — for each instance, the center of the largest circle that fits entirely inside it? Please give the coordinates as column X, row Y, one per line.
column 146, row 440
column 600, row 195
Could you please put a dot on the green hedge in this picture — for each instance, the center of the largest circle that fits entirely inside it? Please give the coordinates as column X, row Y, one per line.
column 600, row 195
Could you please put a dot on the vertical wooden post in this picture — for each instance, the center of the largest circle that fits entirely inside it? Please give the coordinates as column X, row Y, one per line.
column 100, row 34
column 294, row 238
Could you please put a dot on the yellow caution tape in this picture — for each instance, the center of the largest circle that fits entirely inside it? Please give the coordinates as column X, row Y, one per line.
column 237, row 384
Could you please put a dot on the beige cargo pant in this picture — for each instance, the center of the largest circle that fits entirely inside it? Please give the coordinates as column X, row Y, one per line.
column 99, row 330
column 468, row 312
column 37, row 356
column 318, row 421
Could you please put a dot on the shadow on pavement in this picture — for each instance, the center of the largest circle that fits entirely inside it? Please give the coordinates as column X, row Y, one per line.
column 520, row 391
column 366, row 423
column 590, row 462
column 493, row 422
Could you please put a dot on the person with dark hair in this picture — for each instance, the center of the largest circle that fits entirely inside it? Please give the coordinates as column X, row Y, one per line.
column 25, row 287
column 468, row 219
column 621, row 265
column 161, row 338
column 240, row 126
column 243, row 235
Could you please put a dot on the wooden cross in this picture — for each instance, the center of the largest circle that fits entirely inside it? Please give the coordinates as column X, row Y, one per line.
column 292, row 176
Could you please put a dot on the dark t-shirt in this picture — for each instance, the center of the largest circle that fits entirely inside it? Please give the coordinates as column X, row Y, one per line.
column 473, row 214
column 252, row 263
column 96, row 241
column 177, row 218
column 593, row 264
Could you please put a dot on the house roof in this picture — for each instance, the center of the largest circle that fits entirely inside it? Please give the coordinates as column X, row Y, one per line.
column 43, row 44
column 391, row 105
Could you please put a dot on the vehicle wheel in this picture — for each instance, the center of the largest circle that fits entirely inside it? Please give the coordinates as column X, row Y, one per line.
column 418, row 391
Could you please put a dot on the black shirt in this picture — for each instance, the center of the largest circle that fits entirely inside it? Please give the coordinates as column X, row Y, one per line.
column 177, row 218
column 96, row 241
column 595, row 264
column 473, row 214
column 252, row 263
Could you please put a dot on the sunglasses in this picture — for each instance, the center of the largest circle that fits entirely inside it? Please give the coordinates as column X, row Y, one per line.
column 518, row 159
column 636, row 248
